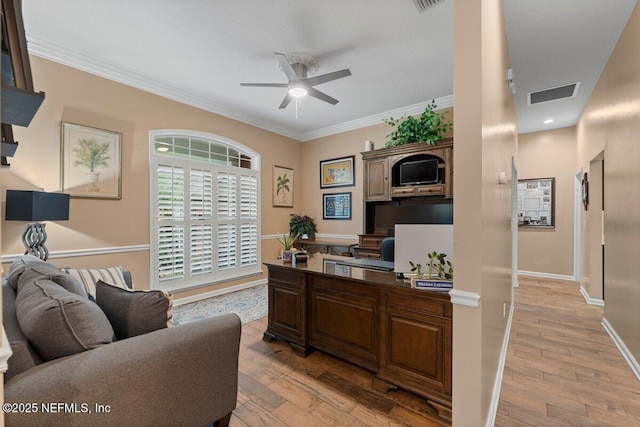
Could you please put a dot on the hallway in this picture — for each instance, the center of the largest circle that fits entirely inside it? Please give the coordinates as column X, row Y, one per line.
column 562, row 368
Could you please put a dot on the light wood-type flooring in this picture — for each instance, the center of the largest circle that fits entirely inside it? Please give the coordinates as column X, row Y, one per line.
column 562, row 368
column 278, row 388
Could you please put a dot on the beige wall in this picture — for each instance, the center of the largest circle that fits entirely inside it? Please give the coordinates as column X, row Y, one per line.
column 485, row 135
column 611, row 122
column 549, row 154
column 78, row 97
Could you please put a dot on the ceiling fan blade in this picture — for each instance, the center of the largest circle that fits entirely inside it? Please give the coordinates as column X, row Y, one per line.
column 265, row 84
column 287, row 99
column 322, row 96
column 323, row 78
column 287, row 68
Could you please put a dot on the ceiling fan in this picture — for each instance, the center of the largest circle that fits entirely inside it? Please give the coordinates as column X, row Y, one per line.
column 296, row 66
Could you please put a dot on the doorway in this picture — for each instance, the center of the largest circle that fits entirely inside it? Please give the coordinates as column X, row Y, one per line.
column 595, row 284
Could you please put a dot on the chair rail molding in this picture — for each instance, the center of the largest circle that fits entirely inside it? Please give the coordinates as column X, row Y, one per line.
column 84, row 252
column 466, row 298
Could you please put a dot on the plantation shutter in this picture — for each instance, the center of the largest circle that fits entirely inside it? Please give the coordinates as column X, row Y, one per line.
column 201, row 215
column 227, row 211
column 249, row 220
column 206, row 212
column 170, row 215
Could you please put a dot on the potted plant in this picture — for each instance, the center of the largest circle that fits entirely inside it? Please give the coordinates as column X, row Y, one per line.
column 429, row 127
column 287, row 242
column 439, row 273
column 303, row 226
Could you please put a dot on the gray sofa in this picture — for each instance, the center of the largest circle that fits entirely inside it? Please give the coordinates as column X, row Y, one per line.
column 183, row 375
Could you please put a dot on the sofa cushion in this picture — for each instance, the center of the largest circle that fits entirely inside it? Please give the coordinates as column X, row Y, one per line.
column 89, row 277
column 58, row 322
column 132, row 312
column 23, row 356
column 28, row 268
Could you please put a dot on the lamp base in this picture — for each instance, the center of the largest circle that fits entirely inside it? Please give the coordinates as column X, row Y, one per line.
column 34, row 238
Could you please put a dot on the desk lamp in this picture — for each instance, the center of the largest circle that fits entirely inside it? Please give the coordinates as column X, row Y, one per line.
column 35, row 206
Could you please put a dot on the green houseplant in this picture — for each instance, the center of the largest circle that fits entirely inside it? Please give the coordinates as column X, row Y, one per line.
column 439, row 272
column 302, row 225
column 287, row 242
column 429, row 127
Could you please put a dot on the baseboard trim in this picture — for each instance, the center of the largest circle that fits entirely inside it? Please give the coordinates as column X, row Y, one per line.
column 497, row 387
column 84, row 252
column 218, row 292
column 546, row 275
column 633, row 363
column 468, row 299
column 589, row 300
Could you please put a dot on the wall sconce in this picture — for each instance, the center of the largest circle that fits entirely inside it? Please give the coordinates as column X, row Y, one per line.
column 35, row 206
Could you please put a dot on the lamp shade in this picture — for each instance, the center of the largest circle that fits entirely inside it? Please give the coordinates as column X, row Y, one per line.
column 36, row 206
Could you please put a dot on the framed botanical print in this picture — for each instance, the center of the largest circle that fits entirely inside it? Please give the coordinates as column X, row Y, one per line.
column 91, row 162
column 282, row 187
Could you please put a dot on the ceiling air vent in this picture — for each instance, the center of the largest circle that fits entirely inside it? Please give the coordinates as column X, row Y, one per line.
column 554, row 93
column 424, row 4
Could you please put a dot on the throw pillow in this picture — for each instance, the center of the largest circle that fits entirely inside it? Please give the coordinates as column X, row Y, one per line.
column 58, row 322
column 89, row 277
column 28, row 268
column 132, row 312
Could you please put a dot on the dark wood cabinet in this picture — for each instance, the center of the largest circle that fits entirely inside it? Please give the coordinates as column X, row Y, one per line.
column 416, row 338
column 368, row 318
column 369, row 246
column 287, row 309
column 343, row 320
column 381, row 166
column 376, row 179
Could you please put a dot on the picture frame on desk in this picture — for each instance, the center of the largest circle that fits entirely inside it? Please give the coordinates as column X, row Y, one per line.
column 336, row 206
column 339, row 172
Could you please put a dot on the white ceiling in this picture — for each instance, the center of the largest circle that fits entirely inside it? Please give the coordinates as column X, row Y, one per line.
column 199, row 51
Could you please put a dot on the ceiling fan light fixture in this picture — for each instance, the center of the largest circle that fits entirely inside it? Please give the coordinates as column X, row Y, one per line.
column 298, row 91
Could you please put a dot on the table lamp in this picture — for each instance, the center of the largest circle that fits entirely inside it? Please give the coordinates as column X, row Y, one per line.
column 35, row 206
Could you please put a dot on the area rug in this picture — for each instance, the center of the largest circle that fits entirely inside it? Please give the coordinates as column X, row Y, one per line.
column 249, row 304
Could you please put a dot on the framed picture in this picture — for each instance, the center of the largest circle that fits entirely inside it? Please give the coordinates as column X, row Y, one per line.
column 91, row 162
column 537, row 208
column 282, row 187
column 337, row 172
column 336, row 206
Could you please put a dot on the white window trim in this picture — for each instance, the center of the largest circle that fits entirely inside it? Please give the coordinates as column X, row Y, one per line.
column 190, row 282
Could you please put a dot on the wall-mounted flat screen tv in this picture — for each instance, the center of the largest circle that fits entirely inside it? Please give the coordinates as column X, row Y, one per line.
column 419, row 172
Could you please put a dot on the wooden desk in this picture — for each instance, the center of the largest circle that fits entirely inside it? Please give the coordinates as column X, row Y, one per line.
column 369, row 318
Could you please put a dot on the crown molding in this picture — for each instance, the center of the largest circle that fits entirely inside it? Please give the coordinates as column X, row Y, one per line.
column 70, row 58
column 442, row 102
column 59, row 54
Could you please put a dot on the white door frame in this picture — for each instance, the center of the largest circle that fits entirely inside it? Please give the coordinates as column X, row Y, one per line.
column 514, row 223
column 577, row 226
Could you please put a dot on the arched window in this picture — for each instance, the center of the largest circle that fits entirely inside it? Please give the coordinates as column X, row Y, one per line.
column 205, row 209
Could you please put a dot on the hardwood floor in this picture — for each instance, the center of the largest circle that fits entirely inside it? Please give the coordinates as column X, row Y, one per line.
column 562, row 368
column 278, row 388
